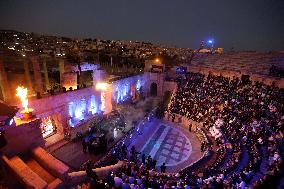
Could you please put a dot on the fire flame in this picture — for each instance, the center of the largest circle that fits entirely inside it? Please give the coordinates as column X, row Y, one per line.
column 22, row 94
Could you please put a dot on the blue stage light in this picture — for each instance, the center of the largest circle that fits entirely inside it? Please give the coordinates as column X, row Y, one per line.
column 79, row 109
column 71, row 109
column 71, row 123
column 93, row 105
column 11, row 121
column 138, row 85
column 123, row 88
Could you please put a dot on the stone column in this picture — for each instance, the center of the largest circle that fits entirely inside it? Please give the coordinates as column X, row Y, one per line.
column 160, row 89
column 37, row 74
column 61, row 70
column 108, row 99
column 46, row 79
column 27, row 75
column 63, row 117
column 5, row 87
column 97, row 76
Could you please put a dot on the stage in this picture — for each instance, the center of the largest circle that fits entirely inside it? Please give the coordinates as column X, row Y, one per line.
column 72, row 153
column 165, row 141
column 168, row 143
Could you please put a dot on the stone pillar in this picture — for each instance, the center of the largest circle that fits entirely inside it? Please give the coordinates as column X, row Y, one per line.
column 98, row 76
column 5, row 87
column 27, row 75
column 37, row 74
column 63, row 117
column 61, row 70
column 160, row 90
column 107, row 95
column 46, row 79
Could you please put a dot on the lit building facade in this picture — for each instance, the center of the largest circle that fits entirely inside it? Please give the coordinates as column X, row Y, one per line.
column 67, row 111
column 128, row 88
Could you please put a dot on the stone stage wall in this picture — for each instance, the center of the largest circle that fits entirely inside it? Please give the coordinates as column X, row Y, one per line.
column 68, row 109
column 128, row 88
column 81, row 104
column 74, row 107
column 71, row 109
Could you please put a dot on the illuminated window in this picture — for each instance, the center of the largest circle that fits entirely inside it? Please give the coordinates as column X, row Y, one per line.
column 47, row 127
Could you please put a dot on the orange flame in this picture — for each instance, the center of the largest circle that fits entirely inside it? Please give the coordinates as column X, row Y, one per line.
column 22, row 94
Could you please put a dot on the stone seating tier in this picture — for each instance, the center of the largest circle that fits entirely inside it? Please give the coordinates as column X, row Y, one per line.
column 24, row 174
column 50, row 163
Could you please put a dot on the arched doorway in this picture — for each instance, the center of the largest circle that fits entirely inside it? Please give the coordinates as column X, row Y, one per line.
column 153, row 89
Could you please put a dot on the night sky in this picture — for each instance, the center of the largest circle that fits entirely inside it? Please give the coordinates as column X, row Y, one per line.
column 239, row 24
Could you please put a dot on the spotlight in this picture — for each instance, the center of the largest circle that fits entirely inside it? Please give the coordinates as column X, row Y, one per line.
column 9, row 121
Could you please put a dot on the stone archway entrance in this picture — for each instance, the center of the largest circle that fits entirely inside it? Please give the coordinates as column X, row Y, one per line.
column 153, row 89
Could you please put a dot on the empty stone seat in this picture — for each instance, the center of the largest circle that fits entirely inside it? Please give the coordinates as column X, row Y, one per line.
column 50, row 163
column 24, row 174
column 57, row 183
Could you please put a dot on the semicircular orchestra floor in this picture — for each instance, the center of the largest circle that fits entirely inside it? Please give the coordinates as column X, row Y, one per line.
column 168, row 143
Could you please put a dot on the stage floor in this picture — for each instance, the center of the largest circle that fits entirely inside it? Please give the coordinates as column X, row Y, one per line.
column 164, row 141
column 170, row 143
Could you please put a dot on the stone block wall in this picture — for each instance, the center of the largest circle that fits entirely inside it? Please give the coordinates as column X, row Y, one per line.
column 157, row 78
column 238, row 63
column 22, row 138
column 28, row 178
column 170, row 86
column 279, row 82
column 57, row 105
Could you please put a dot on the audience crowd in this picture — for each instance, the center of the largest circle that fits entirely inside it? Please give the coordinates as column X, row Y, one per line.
column 245, row 119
